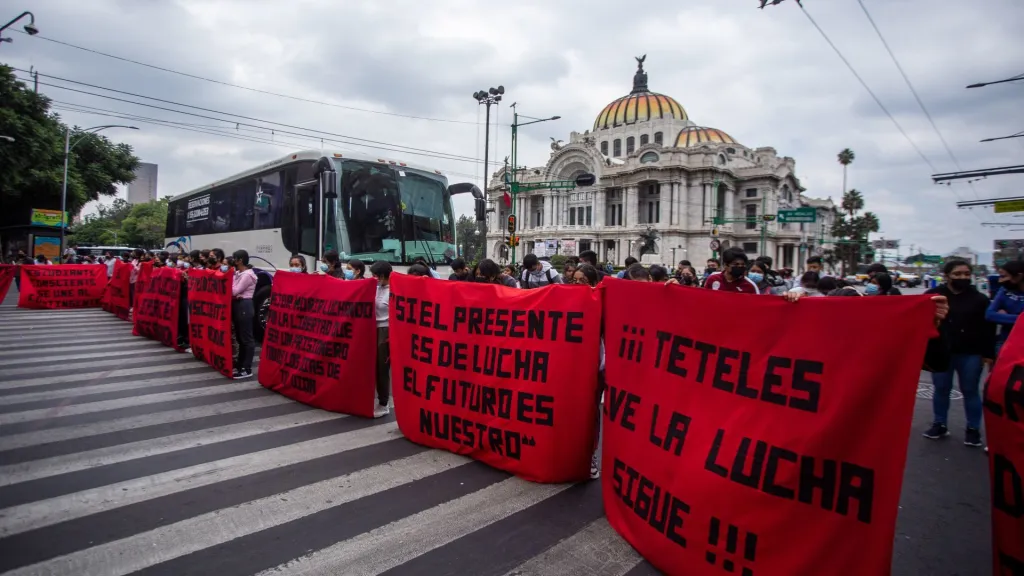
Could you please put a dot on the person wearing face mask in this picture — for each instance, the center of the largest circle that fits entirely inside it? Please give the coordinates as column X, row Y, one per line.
column 331, row 265
column 1009, row 300
column 734, row 278
column 488, row 272
column 879, row 269
column 242, row 313
column 757, row 276
column 711, row 267
column 381, row 272
column 297, row 264
column 971, row 341
column 879, row 285
column 355, row 269
column 196, row 259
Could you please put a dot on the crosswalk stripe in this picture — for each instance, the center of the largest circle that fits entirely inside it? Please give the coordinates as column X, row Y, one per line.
column 72, row 394
column 127, row 424
column 392, row 545
column 105, row 358
column 596, row 549
column 64, row 336
column 26, row 471
column 95, row 376
column 108, row 344
column 133, row 343
column 77, row 409
column 200, row 532
column 58, row 325
column 25, row 517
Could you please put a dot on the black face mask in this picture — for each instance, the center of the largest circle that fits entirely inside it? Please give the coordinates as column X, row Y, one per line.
column 737, row 271
column 688, row 280
column 960, row 284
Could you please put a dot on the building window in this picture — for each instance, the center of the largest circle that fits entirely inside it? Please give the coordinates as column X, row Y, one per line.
column 617, row 148
column 751, row 216
column 657, row 138
column 750, row 248
column 572, row 217
column 751, row 192
column 630, row 144
column 653, row 212
column 721, row 159
column 730, row 150
column 584, row 245
column 648, row 157
column 644, row 139
column 590, row 214
column 604, row 147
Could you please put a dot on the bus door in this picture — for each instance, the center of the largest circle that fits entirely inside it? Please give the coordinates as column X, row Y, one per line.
column 307, row 221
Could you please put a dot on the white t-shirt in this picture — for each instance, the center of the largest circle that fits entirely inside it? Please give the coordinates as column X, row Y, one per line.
column 380, row 303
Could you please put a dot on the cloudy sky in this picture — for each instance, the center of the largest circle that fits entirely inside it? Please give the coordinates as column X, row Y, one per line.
column 766, row 77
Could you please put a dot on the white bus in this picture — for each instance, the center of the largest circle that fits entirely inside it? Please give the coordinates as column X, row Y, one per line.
column 311, row 202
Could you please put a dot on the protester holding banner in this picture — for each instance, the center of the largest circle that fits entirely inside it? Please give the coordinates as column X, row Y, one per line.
column 297, row 264
column 488, row 272
column 734, row 277
column 381, row 272
column 242, row 313
column 1008, row 304
column 355, row 269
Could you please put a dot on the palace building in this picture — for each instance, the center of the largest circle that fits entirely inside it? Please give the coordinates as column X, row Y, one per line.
column 666, row 188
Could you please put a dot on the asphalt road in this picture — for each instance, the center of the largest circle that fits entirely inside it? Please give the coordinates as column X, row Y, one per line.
column 118, row 456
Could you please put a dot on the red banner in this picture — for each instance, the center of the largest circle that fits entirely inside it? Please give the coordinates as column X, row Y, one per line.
column 209, row 318
column 738, row 439
column 145, row 271
column 320, row 346
column 156, row 312
column 506, row 376
column 62, row 286
column 7, row 272
column 1004, row 423
column 115, row 299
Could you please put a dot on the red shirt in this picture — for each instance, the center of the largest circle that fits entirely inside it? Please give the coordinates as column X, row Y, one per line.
column 717, row 281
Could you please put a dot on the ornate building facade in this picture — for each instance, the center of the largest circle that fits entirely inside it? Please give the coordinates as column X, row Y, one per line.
column 662, row 182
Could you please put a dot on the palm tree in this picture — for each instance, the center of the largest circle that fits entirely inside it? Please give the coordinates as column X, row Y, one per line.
column 853, row 202
column 846, row 158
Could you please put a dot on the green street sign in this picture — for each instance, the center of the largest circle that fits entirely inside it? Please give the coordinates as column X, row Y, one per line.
column 803, row 215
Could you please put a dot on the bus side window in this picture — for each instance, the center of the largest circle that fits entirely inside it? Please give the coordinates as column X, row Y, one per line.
column 243, row 205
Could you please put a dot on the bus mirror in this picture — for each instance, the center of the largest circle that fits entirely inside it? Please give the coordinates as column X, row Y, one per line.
column 481, row 209
column 329, row 183
column 465, row 188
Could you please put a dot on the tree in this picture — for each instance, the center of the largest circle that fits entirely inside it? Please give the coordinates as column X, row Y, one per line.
column 852, row 227
column 103, row 228
column 845, row 157
column 33, row 165
column 471, row 243
column 145, row 225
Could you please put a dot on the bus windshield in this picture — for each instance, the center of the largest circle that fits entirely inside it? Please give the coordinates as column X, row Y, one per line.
column 384, row 213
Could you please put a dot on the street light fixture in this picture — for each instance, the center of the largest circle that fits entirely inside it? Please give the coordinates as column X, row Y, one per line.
column 487, row 98
column 30, row 28
column 68, row 146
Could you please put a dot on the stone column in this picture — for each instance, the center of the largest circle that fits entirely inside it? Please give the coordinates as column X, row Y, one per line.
column 730, row 205
column 631, row 210
column 599, row 208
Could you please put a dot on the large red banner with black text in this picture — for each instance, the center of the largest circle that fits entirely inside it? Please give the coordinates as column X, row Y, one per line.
column 115, row 299
column 209, row 318
column 320, row 344
column 740, row 438
column 506, row 376
column 62, row 286
column 7, row 272
column 156, row 311
column 145, row 271
column 1004, row 424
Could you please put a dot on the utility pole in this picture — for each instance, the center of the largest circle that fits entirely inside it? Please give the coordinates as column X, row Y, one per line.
column 487, row 97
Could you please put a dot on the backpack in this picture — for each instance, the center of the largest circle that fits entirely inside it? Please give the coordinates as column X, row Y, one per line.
column 525, row 280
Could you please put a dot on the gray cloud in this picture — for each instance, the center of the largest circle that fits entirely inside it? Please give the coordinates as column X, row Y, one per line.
column 766, row 77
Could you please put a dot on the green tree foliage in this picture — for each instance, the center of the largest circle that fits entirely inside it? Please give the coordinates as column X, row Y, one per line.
column 124, row 224
column 852, row 226
column 32, row 167
column 471, row 244
column 104, row 228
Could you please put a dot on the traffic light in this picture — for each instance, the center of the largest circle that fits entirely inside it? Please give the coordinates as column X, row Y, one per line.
column 511, row 223
column 513, row 240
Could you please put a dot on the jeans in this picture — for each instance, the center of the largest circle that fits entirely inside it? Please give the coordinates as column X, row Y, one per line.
column 968, row 369
column 383, row 366
column 242, row 313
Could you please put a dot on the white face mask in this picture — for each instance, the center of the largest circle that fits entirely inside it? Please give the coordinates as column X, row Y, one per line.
column 223, row 267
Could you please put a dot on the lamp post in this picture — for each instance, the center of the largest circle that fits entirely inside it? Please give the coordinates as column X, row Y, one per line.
column 30, row 28
column 487, row 97
column 68, row 146
column 514, row 184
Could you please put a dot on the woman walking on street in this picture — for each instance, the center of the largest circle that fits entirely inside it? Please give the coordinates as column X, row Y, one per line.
column 971, row 342
column 242, row 313
column 381, row 272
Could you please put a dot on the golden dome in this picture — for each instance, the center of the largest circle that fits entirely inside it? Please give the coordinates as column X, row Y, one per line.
column 640, row 105
column 696, row 135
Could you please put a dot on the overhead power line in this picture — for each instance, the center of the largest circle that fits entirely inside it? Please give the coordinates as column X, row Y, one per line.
column 155, row 99
column 250, row 89
column 913, row 91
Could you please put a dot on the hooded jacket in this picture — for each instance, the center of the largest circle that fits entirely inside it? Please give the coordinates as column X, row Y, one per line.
column 1012, row 302
column 966, row 329
column 538, row 278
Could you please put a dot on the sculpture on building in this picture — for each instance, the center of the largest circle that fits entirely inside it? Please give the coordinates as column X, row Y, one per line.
column 640, row 78
column 556, row 144
column 647, row 241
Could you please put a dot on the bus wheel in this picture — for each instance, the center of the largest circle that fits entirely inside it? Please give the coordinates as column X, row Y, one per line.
column 261, row 302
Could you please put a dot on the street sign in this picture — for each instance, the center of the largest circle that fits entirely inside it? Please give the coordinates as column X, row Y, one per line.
column 1009, row 206
column 802, row 215
column 511, row 223
column 715, row 245
column 885, row 244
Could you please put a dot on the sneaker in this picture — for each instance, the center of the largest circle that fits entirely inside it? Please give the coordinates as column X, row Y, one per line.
column 938, row 430
column 242, row 374
column 972, row 437
column 595, row 468
column 188, row 350
column 381, row 411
